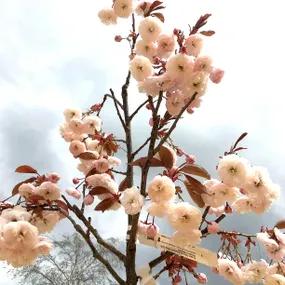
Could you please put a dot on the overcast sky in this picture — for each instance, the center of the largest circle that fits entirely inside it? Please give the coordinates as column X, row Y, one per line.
column 55, row 54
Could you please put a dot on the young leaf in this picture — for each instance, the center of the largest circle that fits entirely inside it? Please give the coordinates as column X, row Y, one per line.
column 99, row 190
column 166, row 156
column 142, row 161
column 15, row 190
column 195, row 169
column 280, row 225
column 159, row 16
column 25, row 169
column 208, row 33
column 123, row 185
column 195, row 189
column 34, row 199
column 154, row 5
column 63, row 207
column 105, row 204
column 87, row 155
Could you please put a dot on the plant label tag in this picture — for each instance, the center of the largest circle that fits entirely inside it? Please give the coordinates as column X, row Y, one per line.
column 198, row 254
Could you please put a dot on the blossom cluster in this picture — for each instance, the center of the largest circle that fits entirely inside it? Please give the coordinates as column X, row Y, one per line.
column 182, row 216
column 20, row 242
column 95, row 151
column 255, row 272
column 163, row 62
column 246, row 188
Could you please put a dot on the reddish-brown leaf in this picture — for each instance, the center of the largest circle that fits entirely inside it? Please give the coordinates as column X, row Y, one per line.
column 159, row 16
column 105, row 204
column 15, row 190
column 142, row 161
column 154, row 5
column 167, row 156
column 123, row 185
column 195, row 188
column 87, row 155
column 208, row 33
column 280, row 224
column 34, row 199
column 91, row 172
column 195, row 169
column 63, row 207
column 25, row 169
column 99, row 190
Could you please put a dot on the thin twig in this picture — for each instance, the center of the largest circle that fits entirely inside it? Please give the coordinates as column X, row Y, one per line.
column 117, row 109
column 95, row 252
column 141, row 147
column 94, row 232
column 138, row 109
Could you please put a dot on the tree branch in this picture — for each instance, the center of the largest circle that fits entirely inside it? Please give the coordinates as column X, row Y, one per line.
column 94, row 232
column 117, row 109
column 138, row 109
column 95, row 252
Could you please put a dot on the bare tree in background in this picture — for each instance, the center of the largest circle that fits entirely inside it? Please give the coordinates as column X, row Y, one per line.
column 71, row 263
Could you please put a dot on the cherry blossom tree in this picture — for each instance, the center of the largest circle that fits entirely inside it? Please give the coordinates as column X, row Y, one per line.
column 172, row 74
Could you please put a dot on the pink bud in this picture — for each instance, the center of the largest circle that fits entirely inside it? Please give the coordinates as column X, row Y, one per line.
column 53, row 177
column 202, row 278
column 217, row 75
column 118, row 38
column 177, row 279
column 151, row 122
column 142, row 228
column 96, row 107
column 213, row 228
column 88, row 200
column 156, row 60
column 176, row 32
column 152, row 231
column 75, row 180
column 228, row 209
column 183, row 50
column 179, row 152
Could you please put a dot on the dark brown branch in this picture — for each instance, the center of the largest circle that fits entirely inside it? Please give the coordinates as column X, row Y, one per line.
column 94, row 232
column 95, row 252
column 153, row 136
column 141, row 147
column 204, row 216
column 117, row 109
column 159, row 259
column 116, row 100
column 138, row 109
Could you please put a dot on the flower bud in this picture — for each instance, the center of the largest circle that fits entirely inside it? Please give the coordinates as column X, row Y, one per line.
column 202, row 278
column 213, row 228
column 118, row 38
column 152, row 231
column 88, row 200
